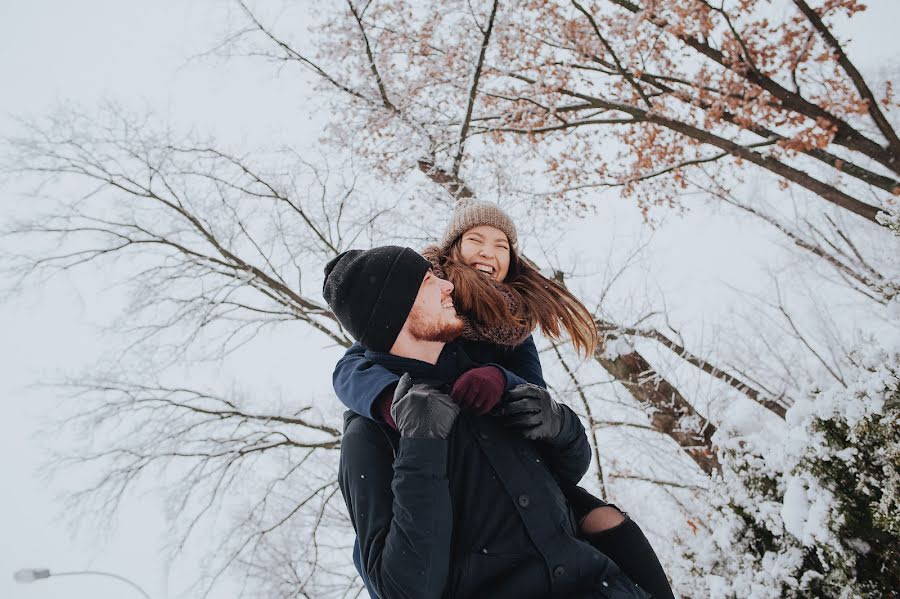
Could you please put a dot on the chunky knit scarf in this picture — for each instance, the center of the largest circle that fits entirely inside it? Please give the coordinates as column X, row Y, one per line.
column 508, row 336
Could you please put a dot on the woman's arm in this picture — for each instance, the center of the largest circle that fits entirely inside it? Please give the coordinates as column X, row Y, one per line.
column 523, row 361
column 358, row 382
column 481, row 388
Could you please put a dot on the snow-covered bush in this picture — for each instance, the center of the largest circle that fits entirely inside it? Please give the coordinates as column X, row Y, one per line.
column 809, row 507
column 890, row 217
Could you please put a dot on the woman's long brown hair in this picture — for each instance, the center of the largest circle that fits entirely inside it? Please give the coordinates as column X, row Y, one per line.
column 544, row 302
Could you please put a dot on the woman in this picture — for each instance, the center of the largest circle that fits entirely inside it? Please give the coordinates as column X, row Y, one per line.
column 503, row 299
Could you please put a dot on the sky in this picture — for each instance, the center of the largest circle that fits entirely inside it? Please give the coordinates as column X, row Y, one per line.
column 139, row 54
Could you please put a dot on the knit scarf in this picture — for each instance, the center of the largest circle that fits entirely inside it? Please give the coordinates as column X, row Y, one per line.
column 499, row 334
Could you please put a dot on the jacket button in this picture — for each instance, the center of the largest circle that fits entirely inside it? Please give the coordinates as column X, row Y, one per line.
column 524, row 500
column 559, row 571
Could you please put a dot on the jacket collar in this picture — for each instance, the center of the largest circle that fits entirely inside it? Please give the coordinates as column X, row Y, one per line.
column 451, row 363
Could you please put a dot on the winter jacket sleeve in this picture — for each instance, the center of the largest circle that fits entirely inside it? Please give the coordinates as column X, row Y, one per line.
column 524, row 362
column 358, row 382
column 512, row 379
column 400, row 509
column 568, row 454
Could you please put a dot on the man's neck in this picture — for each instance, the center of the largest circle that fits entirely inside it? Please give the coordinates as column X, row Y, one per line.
column 426, row 351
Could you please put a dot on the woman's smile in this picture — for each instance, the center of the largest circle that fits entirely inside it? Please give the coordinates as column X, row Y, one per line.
column 485, row 268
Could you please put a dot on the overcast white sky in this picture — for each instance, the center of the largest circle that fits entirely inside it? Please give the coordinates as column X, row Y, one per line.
column 136, row 53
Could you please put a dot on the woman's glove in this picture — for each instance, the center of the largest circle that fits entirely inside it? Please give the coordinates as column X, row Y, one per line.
column 422, row 412
column 531, row 411
column 382, row 407
column 479, row 389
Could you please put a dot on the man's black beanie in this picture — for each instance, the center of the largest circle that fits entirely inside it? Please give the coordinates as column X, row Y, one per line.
column 371, row 292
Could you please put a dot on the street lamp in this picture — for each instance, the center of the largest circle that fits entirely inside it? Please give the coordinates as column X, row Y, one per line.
column 27, row 575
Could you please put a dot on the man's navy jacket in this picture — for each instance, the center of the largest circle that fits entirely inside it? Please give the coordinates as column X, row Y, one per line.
column 480, row 514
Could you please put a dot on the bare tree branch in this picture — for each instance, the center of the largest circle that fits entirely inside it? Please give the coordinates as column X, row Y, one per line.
column 473, row 93
column 884, row 126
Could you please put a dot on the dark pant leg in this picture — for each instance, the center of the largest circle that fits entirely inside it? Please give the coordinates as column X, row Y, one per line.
column 625, row 544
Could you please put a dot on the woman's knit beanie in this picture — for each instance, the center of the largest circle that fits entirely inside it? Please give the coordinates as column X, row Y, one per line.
column 472, row 213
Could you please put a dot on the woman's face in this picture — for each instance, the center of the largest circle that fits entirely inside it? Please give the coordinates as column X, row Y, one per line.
column 486, row 249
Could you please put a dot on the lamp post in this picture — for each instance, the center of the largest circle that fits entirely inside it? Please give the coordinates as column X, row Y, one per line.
column 27, row 575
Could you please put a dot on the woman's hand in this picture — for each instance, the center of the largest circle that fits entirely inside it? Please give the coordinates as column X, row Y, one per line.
column 479, row 389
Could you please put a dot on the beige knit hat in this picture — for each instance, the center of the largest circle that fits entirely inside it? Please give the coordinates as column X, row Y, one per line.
column 472, row 213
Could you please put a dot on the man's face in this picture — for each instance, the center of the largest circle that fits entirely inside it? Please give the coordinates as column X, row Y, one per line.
column 433, row 317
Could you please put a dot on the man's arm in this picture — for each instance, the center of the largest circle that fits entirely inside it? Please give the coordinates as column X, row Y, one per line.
column 400, row 509
column 568, row 455
column 531, row 411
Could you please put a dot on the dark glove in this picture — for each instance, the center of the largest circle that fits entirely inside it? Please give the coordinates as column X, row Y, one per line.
column 479, row 389
column 531, row 411
column 422, row 412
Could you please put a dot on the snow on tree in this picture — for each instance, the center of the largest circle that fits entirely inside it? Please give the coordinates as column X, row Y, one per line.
column 645, row 97
column 810, row 508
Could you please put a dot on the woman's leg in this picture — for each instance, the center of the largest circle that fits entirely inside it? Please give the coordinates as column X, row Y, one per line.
column 626, row 545
column 600, row 519
column 619, row 537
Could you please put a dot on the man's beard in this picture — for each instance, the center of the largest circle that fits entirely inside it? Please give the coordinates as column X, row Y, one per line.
column 440, row 332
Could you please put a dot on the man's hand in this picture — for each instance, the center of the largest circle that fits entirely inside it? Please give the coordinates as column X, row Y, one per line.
column 531, row 411
column 479, row 389
column 422, row 412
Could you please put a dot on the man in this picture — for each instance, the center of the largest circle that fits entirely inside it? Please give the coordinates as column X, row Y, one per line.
column 455, row 505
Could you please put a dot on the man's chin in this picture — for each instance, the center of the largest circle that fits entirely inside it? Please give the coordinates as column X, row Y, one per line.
column 443, row 334
column 457, row 331
column 450, row 332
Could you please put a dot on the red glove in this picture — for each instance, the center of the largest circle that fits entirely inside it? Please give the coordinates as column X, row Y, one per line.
column 382, row 406
column 479, row 389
